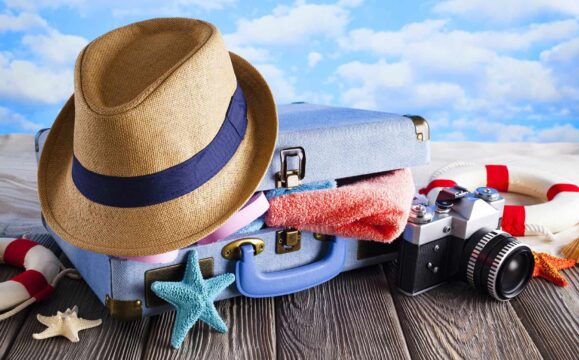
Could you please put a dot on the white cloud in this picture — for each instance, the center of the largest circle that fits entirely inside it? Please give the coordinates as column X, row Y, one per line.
column 55, row 47
column 477, row 72
column 377, row 75
column 350, row 3
column 251, row 54
column 453, row 136
column 286, row 26
column 559, row 133
column 40, row 70
column 566, row 52
column 495, row 131
column 125, row 8
column 509, row 80
column 507, row 10
column 25, row 81
column 394, row 87
column 10, row 118
column 389, row 42
column 22, row 21
column 435, row 34
column 508, row 133
column 374, row 81
column 281, row 85
column 436, row 94
column 487, row 130
column 291, row 25
column 39, row 4
column 155, row 8
column 439, row 119
column 315, row 97
column 204, row 4
column 314, row 58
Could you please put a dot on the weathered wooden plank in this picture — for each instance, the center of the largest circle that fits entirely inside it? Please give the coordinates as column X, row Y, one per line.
column 350, row 317
column 455, row 321
column 251, row 334
column 112, row 340
column 10, row 327
column 551, row 316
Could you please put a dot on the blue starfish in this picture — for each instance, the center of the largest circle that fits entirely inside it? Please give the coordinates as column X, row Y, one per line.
column 193, row 299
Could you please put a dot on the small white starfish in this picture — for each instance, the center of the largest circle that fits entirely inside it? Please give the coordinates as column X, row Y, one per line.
column 66, row 324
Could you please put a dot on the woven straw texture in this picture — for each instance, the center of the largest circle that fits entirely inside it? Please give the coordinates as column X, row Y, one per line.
column 149, row 96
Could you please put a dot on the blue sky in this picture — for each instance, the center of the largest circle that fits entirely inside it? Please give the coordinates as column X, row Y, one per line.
column 481, row 70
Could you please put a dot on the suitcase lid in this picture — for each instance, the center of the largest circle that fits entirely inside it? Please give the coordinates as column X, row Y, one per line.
column 341, row 142
column 338, row 143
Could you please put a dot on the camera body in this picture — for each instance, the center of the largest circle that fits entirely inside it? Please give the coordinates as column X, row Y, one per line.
column 458, row 237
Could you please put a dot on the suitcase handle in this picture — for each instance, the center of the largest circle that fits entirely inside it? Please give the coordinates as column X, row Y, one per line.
column 251, row 282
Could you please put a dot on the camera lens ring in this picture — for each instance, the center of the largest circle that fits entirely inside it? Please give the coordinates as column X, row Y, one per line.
column 475, row 253
column 498, row 266
column 498, row 263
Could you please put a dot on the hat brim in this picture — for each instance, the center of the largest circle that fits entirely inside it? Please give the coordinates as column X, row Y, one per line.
column 166, row 226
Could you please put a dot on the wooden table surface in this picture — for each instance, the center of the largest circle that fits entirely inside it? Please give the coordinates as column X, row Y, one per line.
column 358, row 315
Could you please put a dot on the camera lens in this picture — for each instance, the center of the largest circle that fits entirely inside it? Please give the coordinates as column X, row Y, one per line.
column 497, row 263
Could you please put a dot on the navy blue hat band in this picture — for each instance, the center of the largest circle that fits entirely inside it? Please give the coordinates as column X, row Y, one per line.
column 176, row 181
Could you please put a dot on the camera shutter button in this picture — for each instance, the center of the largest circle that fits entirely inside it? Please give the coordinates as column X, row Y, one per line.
column 487, row 193
column 420, row 214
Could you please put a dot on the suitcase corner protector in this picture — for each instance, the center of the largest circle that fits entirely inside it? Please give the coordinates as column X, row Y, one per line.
column 125, row 310
column 421, row 127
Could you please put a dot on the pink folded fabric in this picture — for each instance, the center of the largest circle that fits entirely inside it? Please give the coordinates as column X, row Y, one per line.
column 371, row 209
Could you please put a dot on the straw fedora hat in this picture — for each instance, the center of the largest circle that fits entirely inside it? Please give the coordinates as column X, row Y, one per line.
column 167, row 135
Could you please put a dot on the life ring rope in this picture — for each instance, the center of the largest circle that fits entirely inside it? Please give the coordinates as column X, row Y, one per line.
column 557, row 213
column 437, row 174
column 43, row 273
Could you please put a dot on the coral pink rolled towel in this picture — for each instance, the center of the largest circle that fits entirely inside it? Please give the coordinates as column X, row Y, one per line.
column 371, row 209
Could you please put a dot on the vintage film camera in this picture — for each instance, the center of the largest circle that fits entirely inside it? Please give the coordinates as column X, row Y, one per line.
column 458, row 237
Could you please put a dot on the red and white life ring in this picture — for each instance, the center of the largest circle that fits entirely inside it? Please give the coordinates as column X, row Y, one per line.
column 42, row 272
column 560, row 210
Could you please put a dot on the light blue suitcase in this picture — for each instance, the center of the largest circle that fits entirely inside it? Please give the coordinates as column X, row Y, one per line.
column 315, row 143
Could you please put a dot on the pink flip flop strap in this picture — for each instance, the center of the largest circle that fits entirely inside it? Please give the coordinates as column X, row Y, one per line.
column 256, row 206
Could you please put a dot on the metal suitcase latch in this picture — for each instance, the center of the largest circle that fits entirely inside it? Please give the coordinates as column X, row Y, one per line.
column 288, row 240
column 290, row 178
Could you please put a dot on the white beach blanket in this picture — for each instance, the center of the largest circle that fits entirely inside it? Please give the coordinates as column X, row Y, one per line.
column 19, row 209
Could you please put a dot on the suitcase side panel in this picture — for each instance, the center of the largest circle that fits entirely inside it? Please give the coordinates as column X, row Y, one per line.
column 94, row 268
column 125, row 281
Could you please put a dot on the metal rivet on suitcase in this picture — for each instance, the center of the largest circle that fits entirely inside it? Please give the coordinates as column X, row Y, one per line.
column 232, row 250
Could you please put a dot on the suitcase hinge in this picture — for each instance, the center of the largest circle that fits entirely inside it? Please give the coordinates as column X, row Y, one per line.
column 125, row 310
column 287, row 240
column 421, row 127
column 291, row 178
